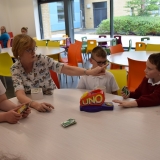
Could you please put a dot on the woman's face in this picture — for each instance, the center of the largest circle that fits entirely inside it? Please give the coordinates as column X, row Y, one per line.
column 23, row 31
column 3, row 30
column 28, row 55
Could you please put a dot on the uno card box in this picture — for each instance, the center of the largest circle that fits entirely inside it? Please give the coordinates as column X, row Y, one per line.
column 68, row 123
column 36, row 93
column 22, row 109
column 94, row 102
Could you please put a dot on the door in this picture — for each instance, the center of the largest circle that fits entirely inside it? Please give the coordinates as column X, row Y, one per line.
column 99, row 12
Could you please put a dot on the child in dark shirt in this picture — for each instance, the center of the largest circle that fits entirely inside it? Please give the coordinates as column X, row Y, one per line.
column 148, row 92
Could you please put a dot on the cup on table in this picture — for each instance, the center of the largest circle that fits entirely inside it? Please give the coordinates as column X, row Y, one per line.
column 103, row 88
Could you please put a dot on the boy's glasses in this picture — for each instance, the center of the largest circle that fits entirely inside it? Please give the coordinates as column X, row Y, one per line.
column 31, row 50
column 101, row 63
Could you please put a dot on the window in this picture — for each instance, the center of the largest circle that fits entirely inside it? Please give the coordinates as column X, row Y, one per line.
column 60, row 11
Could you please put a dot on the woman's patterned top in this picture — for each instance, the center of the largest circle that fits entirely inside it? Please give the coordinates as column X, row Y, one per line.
column 38, row 78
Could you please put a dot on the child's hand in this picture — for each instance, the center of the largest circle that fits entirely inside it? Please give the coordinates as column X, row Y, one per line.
column 126, row 104
column 26, row 113
column 124, row 95
column 12, row 116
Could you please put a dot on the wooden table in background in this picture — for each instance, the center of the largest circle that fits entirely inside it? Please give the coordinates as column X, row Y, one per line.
column 121, row 134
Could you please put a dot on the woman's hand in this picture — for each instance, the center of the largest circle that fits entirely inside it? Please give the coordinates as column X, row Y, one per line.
column 126, row 103
column 42, row 107
column 12, row 116
column 97, row 71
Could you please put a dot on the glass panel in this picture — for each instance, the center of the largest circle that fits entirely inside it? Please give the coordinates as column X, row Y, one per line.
column 60, row 11
column 53, row 19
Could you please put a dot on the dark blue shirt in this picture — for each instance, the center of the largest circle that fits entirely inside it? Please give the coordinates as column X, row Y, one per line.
column 4, row 38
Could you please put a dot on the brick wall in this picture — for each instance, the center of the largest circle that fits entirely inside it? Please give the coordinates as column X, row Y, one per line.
column 46, row 20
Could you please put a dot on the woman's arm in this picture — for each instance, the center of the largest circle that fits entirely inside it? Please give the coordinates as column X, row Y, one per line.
column 42, row 107
column 76, row 71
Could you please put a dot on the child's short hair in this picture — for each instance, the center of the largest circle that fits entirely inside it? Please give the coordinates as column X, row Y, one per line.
column 99, row 52
column 155, row 60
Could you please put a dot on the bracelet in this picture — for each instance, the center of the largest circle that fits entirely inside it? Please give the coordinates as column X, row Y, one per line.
column 29, row 105
column 85, row 72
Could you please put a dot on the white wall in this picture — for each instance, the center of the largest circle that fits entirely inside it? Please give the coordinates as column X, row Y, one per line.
column 3, row 14
column 15, row 14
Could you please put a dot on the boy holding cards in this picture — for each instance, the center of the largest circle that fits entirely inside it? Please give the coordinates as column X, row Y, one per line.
column 148, row 92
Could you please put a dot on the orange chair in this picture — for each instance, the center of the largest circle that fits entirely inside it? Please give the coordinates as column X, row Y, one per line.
column 140, row 46
column 72, row 56
column 116, row 49
column 55, row 78
column 135, row 73
column 79, row 53
column 90, row 45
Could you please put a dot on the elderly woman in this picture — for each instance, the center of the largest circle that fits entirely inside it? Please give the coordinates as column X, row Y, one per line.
column 4, row 36
column 32, row 71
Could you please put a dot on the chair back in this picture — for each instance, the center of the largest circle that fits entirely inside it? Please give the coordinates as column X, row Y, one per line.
column 10, row 34
column 153, row 47
column 140, row 46
column 118, row 38
column 55, row 78
column 130, row 45
column 79, row 51
column 102, row 44
column 135, row 73
column 115, row 49
column 72, row 55
column 90, row 45
column 9, row 43
column 113, row 42
column 40, row 43
column 120, row 76
column 145, row 38
column 84, row 42
column 53, row 44
column 5, row 64
column 1, row 43
column 68, row 42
